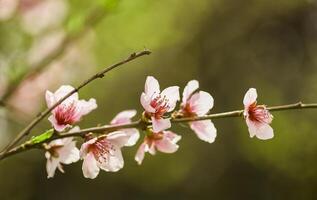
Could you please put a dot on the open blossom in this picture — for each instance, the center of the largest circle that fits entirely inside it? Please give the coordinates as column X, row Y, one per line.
column 257, row 117
column 124, row 117
column 157, row 103
column 60, row 151
column 164, row 141
column 103, row 153
column 198, row 103
column 70, row 110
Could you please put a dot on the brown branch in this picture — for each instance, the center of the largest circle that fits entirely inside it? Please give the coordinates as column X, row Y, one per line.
column 141, row 125
column 43, row 114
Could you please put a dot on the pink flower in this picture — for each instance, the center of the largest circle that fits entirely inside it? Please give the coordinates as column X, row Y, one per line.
column 69, row 111
column 60, row 151
column 103, row 153
column 257, row 117
column 198, row 103
column 157, row 103
column 124, row 117
column 164, row 141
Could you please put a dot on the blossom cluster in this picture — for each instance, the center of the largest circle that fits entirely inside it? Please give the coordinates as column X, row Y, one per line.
column 104, row 151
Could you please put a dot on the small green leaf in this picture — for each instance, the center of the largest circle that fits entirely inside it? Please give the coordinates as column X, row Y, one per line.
column 44, row 136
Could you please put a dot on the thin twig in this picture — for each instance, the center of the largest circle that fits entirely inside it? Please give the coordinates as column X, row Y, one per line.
column 140, row 125
column 41, row 116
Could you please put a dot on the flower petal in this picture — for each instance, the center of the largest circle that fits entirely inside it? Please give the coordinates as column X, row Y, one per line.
column 262, row 131
column 85, row 146
column 57, row 126
column 160, row 124
column 118, row 138
column 172, row 94
column 134, row 136
column 124, row 117
column 90, row 168
column 69, row 153
column 250, row 97
column 146, row 103
column 168, row 143
column 51, row 166
column 87, row 106
column 114, row 161
column 191, row 87
column 63, row 91
column 205, row 130
column 50, row 99
column 139, row 156
column 151, row 86
column 201, row 102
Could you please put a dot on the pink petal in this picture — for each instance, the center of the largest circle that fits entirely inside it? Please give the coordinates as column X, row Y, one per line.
column 69, row 153
column 84, row 147
column 57, row 126
column 133, row 134
column 119, row 138
column 84, row 107
column 140, row 154
column 172, row 94
column 191, row 87
column 146, row 103
column 51, row 166
column 201, row 102
column 63, row 91
column 151, row 86
column 114, row 161
column 262, row 131
column 90, row 168
column 124, row 117
column 250, row 97
column 168, row 143
column 160, row 124
column 205, row 130
column 50, row 99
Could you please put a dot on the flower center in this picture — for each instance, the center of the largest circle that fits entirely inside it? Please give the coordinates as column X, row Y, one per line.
column 160, row 104
column 64, row 114
column 101, row 148
column 259, row 114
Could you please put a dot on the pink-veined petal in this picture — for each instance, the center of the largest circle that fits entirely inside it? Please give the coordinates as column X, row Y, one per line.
column 146, row 103
column 84, row 107
column 85, row 146
column 250, row 97
column 191, row 87
column 172, row 94
column 205, row 130
column 114, row 161
column 57, row 126
column 201, row 102
column 160, row 124
column 151, row 86
column 90, row 168
column 124, row 117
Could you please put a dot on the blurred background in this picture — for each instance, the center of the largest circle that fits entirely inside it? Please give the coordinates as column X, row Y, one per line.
column 228, row 45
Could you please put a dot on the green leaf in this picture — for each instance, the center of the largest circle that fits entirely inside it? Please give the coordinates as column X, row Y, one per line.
column 44, row 136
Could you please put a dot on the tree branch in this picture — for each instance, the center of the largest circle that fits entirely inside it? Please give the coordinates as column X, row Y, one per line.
column 43, row 114
column 142, row 125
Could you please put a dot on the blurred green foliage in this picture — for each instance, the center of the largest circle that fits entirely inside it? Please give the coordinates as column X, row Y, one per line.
column 227, row 45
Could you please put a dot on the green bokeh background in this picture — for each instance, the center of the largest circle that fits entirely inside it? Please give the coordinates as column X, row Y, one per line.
column 229, row 46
